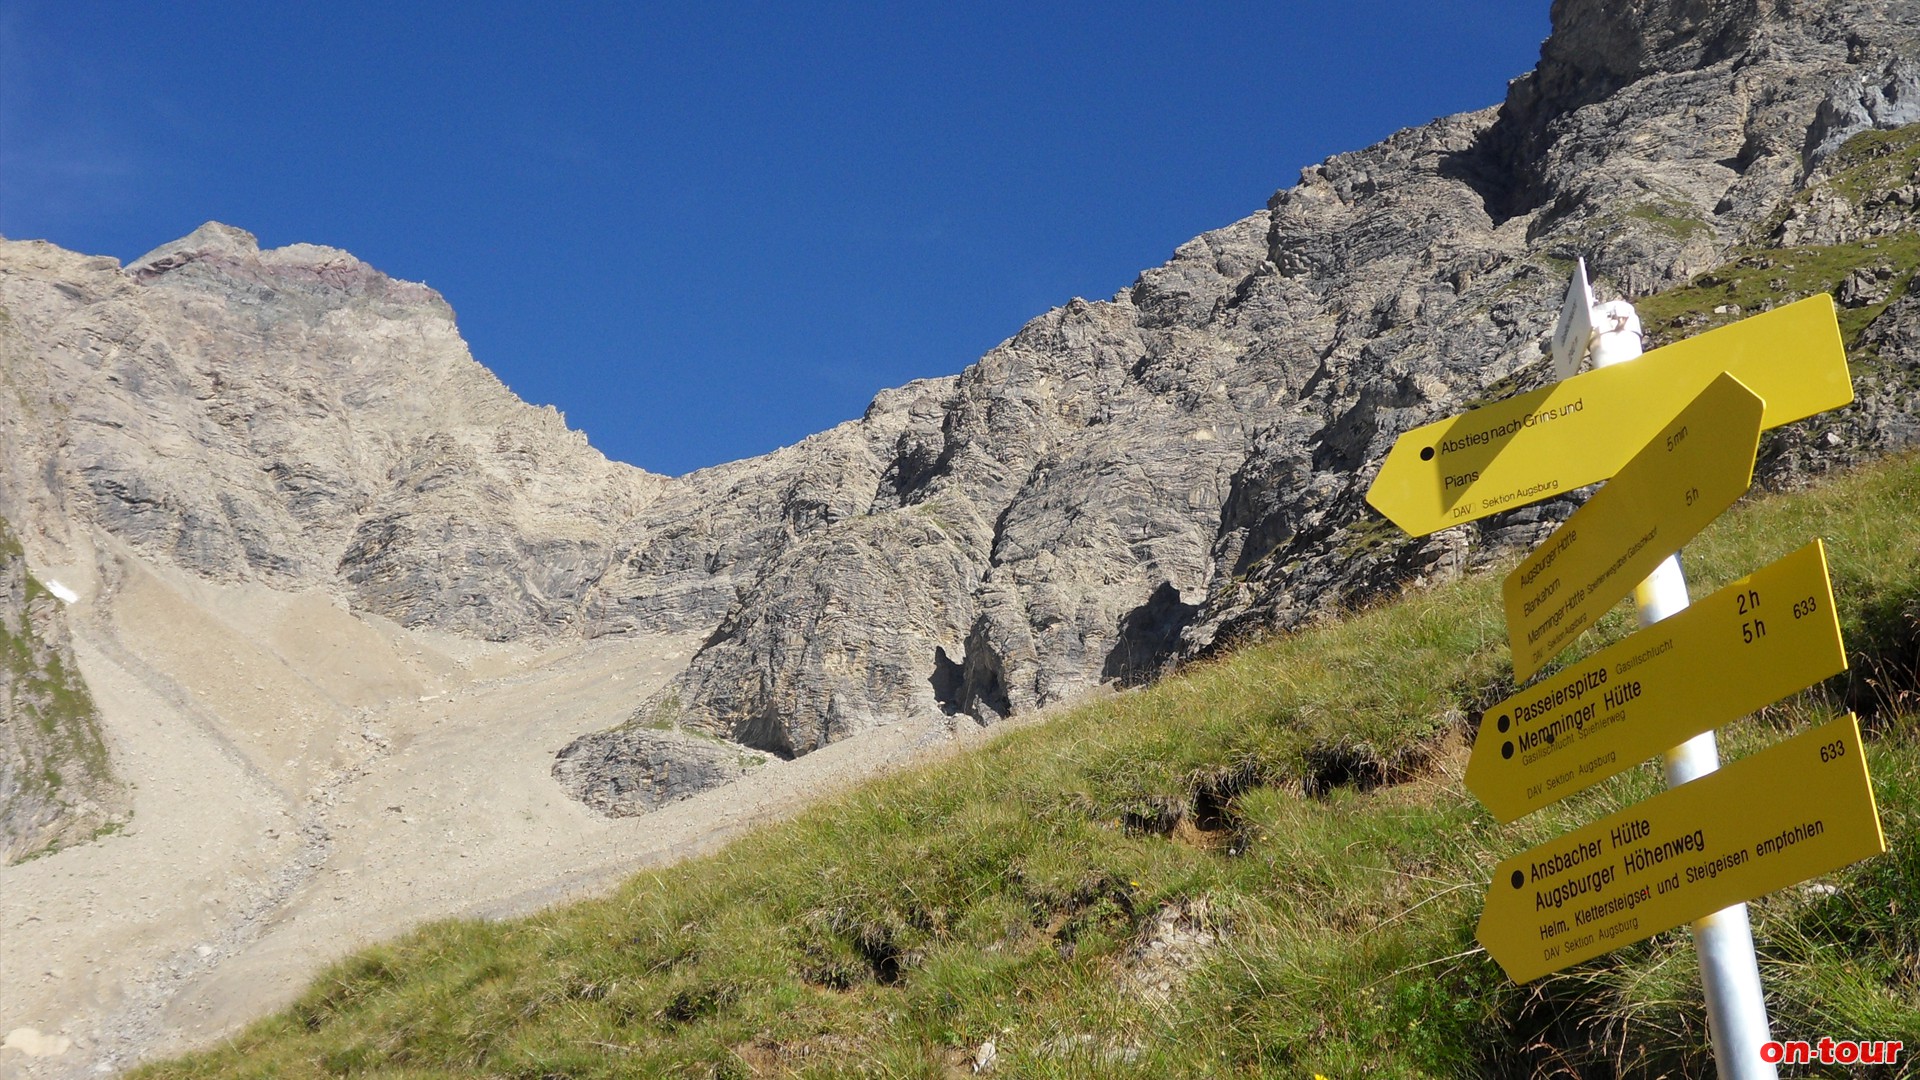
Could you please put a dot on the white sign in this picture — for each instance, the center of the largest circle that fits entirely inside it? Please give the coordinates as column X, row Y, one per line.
column 1574, row 331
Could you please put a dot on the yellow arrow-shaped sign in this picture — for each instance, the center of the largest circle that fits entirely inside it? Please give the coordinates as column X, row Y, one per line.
column 1788, row 813
column 1752, row 643
column 1550, row 441
column 1688, row 475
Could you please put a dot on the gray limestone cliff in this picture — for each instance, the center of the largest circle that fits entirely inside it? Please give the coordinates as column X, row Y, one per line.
column 1131, row 481
column 1121, row 484
column 296, row 417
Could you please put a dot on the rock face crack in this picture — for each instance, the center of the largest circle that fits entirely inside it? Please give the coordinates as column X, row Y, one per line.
column 1148, row 636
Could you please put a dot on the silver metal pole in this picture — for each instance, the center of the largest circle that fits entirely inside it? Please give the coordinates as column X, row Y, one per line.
column 1736, row 1005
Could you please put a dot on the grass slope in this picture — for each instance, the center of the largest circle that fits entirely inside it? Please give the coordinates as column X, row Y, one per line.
column 1763, row 274
column 1266, row 866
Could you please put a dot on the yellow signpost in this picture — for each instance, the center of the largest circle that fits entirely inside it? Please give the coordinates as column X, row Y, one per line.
column 1770, row 634
column 1675, row 431
column 1580, row 431
column 1793, row 811
column 1691, row 471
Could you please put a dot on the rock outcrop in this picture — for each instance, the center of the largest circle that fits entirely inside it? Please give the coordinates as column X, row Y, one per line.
column 1121, row 484
column 634, row 770
column 56, row 785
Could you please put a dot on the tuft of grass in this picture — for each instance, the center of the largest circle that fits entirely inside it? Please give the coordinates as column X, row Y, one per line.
column 1673, row 220
column 1293, row 812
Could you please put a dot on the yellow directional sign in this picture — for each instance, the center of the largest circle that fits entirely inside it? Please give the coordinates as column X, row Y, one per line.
column 1793, row 811
column 1752, row 643
column 1692, row 471
column 1550, row 441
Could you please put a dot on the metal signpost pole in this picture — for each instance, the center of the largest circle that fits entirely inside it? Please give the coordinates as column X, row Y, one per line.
column 1736, row 1006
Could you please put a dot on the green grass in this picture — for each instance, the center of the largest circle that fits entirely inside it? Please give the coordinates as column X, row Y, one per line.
column 1760, row 275
column 1875, row 162
column 1673, row 220
column 1757, row 279
column 1299, row 800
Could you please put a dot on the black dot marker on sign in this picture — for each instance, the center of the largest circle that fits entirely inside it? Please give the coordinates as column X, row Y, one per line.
column 1519, row 879
column 1506, row 749
column 1504, row 721
column 1426, row 453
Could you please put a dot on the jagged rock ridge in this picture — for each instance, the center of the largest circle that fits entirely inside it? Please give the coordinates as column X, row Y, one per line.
column 1157, row 474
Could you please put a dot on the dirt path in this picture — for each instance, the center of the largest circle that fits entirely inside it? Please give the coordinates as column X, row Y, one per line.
column 307, row 782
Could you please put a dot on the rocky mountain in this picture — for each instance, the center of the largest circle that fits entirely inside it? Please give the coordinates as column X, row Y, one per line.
column 1134, row 480
column 295, row 416
column 1120, row 484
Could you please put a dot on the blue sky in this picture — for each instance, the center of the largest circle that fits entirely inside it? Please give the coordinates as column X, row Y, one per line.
column 704, row 232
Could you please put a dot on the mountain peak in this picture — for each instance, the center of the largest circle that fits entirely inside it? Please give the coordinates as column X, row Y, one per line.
column 212, row 238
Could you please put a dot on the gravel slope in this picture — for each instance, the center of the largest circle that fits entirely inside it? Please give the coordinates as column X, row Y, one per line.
column 307, row 781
